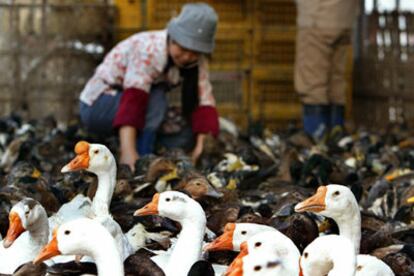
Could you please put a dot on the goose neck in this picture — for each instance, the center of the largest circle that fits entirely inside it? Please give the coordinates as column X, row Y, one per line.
column 104, row 192
column 350, row 227
column 39, row 232
column 108, row 261
column 187, row 250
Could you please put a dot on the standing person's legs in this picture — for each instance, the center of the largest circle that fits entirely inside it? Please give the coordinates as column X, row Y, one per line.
column 98, row 117
column 156, row 109
column 312, row 67
column 338, row 83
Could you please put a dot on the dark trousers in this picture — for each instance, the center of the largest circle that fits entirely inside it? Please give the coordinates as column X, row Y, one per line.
column 98, row 119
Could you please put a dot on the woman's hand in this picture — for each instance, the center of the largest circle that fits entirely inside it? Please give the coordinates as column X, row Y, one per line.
column 128, row 151
column 198, row 149
column 129, row 158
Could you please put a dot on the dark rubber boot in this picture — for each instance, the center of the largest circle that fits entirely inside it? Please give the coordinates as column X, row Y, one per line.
column 316, row 120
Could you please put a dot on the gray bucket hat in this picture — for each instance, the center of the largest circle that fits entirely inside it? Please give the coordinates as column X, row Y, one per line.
column 195, row 27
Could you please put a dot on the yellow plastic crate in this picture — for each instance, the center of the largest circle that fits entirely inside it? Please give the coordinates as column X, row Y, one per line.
column 130, row 13
column 230, row 89
column 277, row 13
column 233, row 49
column 234, row 12
column 274, row 47
column 274, row 96
column 237, row 115
column 159, row 12
column 281, row 124
column 274, row 84
column 277, row 115
column 129, row 18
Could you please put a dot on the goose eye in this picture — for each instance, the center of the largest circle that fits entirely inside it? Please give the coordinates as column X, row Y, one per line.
column 96, row 151
column 257, row 244
column 257, row 268
column 337, row 193
column 198, row 184
column 305, row 255
column 67, row 232
column 168, row 199
column 243, row 232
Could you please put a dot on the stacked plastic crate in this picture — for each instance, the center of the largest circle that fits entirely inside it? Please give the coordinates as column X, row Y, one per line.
column 130, row 18
column 274, row 100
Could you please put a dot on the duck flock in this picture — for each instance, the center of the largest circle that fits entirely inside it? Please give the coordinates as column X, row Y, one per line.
column 256, row 203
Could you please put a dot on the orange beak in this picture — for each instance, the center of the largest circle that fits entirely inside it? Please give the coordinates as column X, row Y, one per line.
column 225, row 241
column 149, row 209
column 300, row 267
column 236, row 267
column 81, row 161
column 15, row 229
column 315, row 203
column 49, row 251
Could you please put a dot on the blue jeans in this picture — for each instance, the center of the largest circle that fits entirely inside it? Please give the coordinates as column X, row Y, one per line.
column 98, row 119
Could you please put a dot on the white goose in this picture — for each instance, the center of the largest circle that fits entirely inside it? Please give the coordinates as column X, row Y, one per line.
column 95, row 158
column 236, row 233
column 259, row 264
column 28, row 232
column 269, row 243
column 85, row 237
column 98, row 159
column 331, row 255
column 339, row 203
column 189, row 213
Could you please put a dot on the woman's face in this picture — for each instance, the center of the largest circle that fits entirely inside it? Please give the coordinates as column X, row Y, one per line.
column 182, row 57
